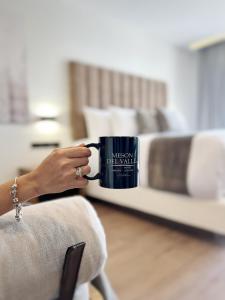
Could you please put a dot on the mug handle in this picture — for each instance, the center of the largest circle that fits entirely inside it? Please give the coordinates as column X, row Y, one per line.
column 96, row 146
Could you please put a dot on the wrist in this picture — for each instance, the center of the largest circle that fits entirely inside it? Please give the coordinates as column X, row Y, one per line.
column 28, row 187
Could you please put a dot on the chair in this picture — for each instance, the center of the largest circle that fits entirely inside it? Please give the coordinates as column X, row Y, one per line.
column 32, row 252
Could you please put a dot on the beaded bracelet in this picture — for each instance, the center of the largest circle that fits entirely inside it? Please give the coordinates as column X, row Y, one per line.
column 17, row 205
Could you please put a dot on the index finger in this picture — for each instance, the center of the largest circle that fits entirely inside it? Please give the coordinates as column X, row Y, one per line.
column 73, row 152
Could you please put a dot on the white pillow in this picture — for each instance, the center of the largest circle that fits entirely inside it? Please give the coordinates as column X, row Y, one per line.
column 98, row 122
column 171, row 120
column 124, row 121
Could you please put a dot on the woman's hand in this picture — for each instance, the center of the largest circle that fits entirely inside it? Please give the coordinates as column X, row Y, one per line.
column 57, row 172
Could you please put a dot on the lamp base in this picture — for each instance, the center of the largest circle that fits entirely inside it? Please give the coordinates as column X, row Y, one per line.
column 45, row 145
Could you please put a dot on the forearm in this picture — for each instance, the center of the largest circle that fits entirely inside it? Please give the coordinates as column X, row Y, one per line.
column 26, row 190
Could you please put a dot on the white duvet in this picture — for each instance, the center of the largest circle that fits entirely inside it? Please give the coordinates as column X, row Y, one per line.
column 206, row 168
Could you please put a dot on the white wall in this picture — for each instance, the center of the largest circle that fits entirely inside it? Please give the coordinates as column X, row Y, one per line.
column 59, row 31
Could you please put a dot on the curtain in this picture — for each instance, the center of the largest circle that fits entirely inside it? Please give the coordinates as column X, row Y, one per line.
column 211, row 105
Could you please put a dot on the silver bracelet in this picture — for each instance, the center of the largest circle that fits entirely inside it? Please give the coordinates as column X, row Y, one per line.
column 16, row 203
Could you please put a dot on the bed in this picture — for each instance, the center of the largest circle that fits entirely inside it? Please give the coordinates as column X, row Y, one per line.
column 100, row 87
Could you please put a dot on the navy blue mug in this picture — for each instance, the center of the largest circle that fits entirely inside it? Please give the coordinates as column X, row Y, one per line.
column 118, row 162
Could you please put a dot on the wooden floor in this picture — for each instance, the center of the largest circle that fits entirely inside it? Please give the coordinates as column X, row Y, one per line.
column 148, row 261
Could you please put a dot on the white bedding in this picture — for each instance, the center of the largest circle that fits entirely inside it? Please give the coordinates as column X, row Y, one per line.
column 206, row 170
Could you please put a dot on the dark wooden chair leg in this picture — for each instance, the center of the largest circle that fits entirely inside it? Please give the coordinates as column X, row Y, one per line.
column 71, row 269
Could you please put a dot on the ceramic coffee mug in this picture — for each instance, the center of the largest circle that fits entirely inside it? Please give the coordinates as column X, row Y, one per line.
column 118, row 162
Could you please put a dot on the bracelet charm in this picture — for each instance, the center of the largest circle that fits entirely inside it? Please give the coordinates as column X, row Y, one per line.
column 17, row 205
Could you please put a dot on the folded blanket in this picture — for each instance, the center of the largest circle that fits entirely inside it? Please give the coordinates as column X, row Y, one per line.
column 32, row 252
column 168, row 163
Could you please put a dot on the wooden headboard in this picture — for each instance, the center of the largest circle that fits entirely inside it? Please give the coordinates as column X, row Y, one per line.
column 100, row 87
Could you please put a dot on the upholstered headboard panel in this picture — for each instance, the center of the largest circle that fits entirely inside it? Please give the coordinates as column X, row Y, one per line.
column 100, row 87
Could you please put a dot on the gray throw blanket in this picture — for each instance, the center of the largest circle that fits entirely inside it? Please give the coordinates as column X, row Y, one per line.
column 168, row 163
